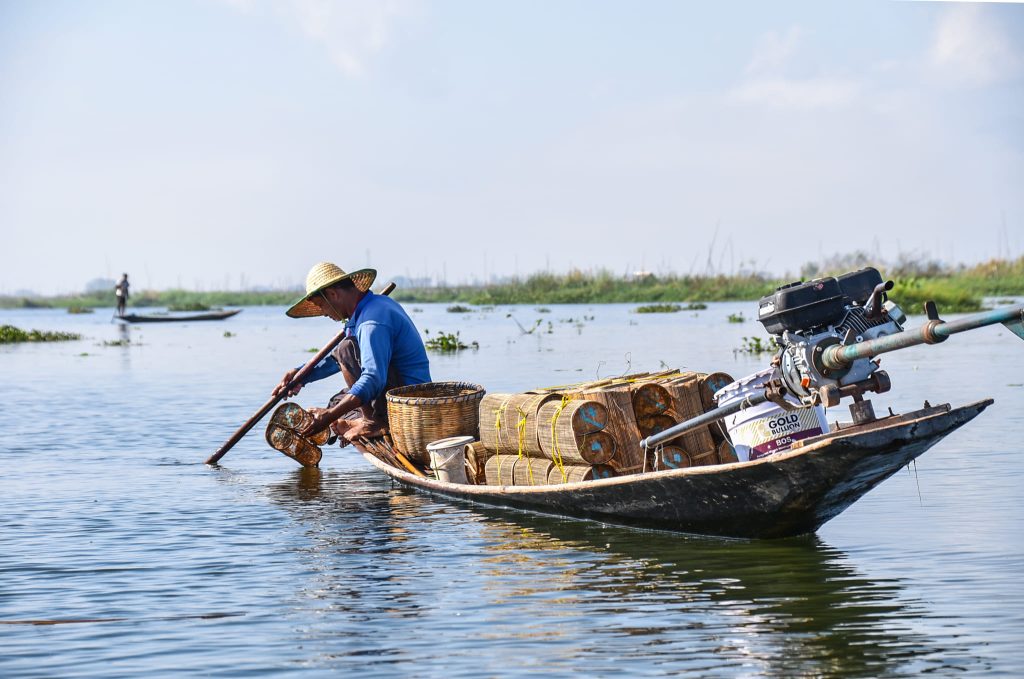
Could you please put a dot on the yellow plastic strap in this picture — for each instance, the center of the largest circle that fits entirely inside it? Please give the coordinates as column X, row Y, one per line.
column 521, row 427
column 556, row 454
column 498, row 412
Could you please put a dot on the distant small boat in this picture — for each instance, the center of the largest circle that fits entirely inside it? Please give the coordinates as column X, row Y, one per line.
column 178, row 318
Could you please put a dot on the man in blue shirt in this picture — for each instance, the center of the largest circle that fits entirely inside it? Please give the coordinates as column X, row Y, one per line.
column 382, row 349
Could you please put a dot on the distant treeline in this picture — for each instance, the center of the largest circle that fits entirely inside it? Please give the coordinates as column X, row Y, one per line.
column 953, row 288
column 156, row 298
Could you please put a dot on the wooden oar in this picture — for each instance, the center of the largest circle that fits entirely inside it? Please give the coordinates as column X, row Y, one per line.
column 266, row 408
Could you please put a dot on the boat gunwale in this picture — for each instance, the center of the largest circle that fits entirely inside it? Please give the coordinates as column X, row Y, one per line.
column 468, row 489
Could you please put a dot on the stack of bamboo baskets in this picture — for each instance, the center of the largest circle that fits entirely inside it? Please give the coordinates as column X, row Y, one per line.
column 593, row 430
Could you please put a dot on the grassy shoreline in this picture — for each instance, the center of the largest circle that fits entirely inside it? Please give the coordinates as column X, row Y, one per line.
column 961, row 289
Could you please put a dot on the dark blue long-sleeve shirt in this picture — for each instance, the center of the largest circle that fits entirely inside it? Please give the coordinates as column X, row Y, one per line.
column 387, row 338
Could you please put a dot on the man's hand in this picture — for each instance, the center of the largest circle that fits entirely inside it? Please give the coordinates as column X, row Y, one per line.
column 321, row 420
column 282, row 387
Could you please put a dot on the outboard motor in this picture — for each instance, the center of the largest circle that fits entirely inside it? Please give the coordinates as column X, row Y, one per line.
column 829, row 332
column 808, row 318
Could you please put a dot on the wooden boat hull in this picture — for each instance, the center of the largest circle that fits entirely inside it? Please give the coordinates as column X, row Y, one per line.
column 788, row 494
column 208, row 316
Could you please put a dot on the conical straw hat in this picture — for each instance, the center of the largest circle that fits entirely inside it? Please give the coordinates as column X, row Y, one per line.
column 324, row 275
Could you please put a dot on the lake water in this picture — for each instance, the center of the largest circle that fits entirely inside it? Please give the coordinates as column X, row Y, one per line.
column 146, row 560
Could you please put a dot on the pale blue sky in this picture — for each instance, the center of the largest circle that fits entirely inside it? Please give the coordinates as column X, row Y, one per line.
column 210, row 142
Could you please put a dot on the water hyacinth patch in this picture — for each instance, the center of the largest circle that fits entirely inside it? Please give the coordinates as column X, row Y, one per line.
column 10, row 335
column 658, row 309
column 446, row 342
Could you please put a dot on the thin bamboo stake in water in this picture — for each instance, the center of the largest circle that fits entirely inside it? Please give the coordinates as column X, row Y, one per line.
column 268, row 406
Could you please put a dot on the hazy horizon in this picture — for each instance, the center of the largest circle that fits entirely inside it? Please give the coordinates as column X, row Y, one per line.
column 212, row 144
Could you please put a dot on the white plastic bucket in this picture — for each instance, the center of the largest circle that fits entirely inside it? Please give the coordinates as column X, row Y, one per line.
column 767, row 428
column 448, row 458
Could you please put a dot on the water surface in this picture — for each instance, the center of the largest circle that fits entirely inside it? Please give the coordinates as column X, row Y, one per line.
column 121, row 553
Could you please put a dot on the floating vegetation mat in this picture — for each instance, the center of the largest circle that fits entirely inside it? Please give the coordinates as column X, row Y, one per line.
column 75, row 309
column 756, row 346
column 459, row 309
column 446, row 342
column 10, row 335
column 658, row 308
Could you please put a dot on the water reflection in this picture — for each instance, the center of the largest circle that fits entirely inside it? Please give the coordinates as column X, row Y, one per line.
column 124, row 336
column 778, row 607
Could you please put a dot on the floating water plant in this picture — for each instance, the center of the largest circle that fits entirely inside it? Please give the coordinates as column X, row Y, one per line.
column 76, row 309
column 522, row 329
column 228, row 333
column 459, row 309
column 696, row 306
column 737, row 318
column 447, row 343
column 756, row 346
column 10, row 335
column 658, row 309
column 542, row 310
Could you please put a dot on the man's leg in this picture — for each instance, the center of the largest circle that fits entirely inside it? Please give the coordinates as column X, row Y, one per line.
column 373, row 415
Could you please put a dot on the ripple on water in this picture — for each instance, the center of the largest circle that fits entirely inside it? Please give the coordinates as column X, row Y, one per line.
column 123, row 551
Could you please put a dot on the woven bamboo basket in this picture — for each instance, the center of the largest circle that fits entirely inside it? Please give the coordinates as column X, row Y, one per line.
column 422, row 413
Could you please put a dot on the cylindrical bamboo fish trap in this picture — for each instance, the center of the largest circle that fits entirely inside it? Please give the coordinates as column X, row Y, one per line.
column 711, row 383
column 476, row 461
column 531, row 471
column 654, row 424
column 597, row 448
column 572, row 432
column 704, row 457
column 726, row 453
column 687, row 403
column 686, row 397
column 672, row 457
column 508, row 422
column 500, row 469
column 576, row 473
column 621, row 425
column 650, row 398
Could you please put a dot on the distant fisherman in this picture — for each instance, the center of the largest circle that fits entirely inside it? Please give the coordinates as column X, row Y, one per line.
column 382, row 350
column 121, row 292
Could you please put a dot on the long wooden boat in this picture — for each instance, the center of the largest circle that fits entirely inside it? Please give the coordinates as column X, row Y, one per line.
column 786, row 494
column 178, row 318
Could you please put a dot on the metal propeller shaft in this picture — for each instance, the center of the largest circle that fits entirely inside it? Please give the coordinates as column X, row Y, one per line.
column 839, row 356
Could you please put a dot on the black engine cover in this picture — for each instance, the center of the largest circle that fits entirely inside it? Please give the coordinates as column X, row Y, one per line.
column 801, row 306
column 858, row 285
